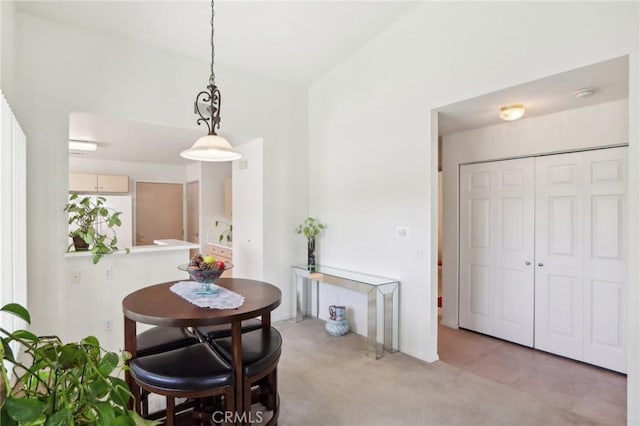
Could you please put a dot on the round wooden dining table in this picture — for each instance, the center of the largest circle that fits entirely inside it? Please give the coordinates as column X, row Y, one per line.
column 158, row 305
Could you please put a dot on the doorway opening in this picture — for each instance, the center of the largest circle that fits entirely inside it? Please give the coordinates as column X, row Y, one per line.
column 159, row 212
column 193, row 215
column 472, row 128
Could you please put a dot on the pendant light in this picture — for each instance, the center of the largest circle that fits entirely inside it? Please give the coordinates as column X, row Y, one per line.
column 210, row 147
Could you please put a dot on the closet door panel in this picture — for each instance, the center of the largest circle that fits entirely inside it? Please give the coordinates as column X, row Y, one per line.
column 514, row 248
column 476, row 257
column 605, row 258
column 496, row 242
column 559, row 274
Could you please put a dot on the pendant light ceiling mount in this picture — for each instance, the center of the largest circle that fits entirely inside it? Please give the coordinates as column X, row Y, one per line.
column 210, row 147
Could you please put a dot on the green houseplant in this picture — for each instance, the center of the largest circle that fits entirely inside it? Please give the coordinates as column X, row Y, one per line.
column 310, row 228
column 92, row 225
column 227, row 233
column 63, row 384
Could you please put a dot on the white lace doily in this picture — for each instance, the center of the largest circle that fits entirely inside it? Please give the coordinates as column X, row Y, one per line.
column 222, row 299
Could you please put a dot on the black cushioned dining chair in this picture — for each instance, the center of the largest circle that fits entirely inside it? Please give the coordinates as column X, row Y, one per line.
column 212, row 332
column 161, row 339
column 157, row 340
column 261, row 351
column 194, row 371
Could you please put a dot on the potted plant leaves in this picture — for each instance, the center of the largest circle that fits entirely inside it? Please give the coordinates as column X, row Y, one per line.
column 61, row 383
column 227, row 234
column 92, row 226
column 310, row 228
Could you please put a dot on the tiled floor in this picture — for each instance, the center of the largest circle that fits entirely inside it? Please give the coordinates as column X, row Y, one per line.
column 597, row 394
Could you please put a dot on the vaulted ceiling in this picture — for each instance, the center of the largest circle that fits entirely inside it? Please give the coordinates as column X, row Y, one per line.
column 297, row 42
column 292, row 41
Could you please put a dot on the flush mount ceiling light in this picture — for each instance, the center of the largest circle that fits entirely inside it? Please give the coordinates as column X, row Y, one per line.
column 512, row 112
column 587, row 91
column 82, row 146
column 210, row 147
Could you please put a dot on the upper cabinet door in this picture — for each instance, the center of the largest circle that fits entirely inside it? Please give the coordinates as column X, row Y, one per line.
column 82, row 182
column 113, row 183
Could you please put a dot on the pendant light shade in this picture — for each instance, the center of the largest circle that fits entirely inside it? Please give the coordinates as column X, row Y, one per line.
column 210, row 147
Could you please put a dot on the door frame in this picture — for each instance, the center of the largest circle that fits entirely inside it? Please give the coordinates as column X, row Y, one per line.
column 633, row 271
column 185, row 215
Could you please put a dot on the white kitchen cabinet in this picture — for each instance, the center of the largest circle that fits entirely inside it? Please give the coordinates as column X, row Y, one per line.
column 85, row 182
column 570, row 210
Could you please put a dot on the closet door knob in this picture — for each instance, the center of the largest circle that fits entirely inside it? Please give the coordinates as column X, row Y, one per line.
column 540, row 264
column 527, row 263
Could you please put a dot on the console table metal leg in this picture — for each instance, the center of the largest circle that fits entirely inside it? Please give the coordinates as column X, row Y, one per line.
column 317, row 299
column 297, row 297
column 388, row 322
column 373, row 349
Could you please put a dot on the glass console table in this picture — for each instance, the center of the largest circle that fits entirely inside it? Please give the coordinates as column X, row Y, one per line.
column 376, row 288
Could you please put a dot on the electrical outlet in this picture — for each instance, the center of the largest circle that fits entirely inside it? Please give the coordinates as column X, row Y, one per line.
column 402, row 231
column 75, row 277
column 108, row 325
column 108, row 274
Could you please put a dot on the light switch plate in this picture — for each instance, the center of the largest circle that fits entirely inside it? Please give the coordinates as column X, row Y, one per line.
column 402, row 231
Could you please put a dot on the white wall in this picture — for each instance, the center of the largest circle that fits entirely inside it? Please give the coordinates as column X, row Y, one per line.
column 248, row 217
column 593, row 126
column 7, row 45
column 371, row 165
column 60, row 69
column 96, row 300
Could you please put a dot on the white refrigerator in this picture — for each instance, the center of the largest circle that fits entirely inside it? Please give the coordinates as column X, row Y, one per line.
column 122, row 203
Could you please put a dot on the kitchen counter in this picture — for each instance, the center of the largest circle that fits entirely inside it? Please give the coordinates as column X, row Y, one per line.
column 222, row 246
column 180, row 243
column 160, row 245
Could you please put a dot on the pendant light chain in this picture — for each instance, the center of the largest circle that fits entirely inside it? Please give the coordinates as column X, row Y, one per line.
column 211, row 147
column 212, row 78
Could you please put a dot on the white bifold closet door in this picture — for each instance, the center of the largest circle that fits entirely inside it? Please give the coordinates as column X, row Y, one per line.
column 562, row 290
column 496, row 249
column 581, row 255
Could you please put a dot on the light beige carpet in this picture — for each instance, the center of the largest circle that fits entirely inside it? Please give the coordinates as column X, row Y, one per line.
column 326, row 380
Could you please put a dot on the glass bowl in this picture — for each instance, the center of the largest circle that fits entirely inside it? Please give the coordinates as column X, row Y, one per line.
column 206, row 277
